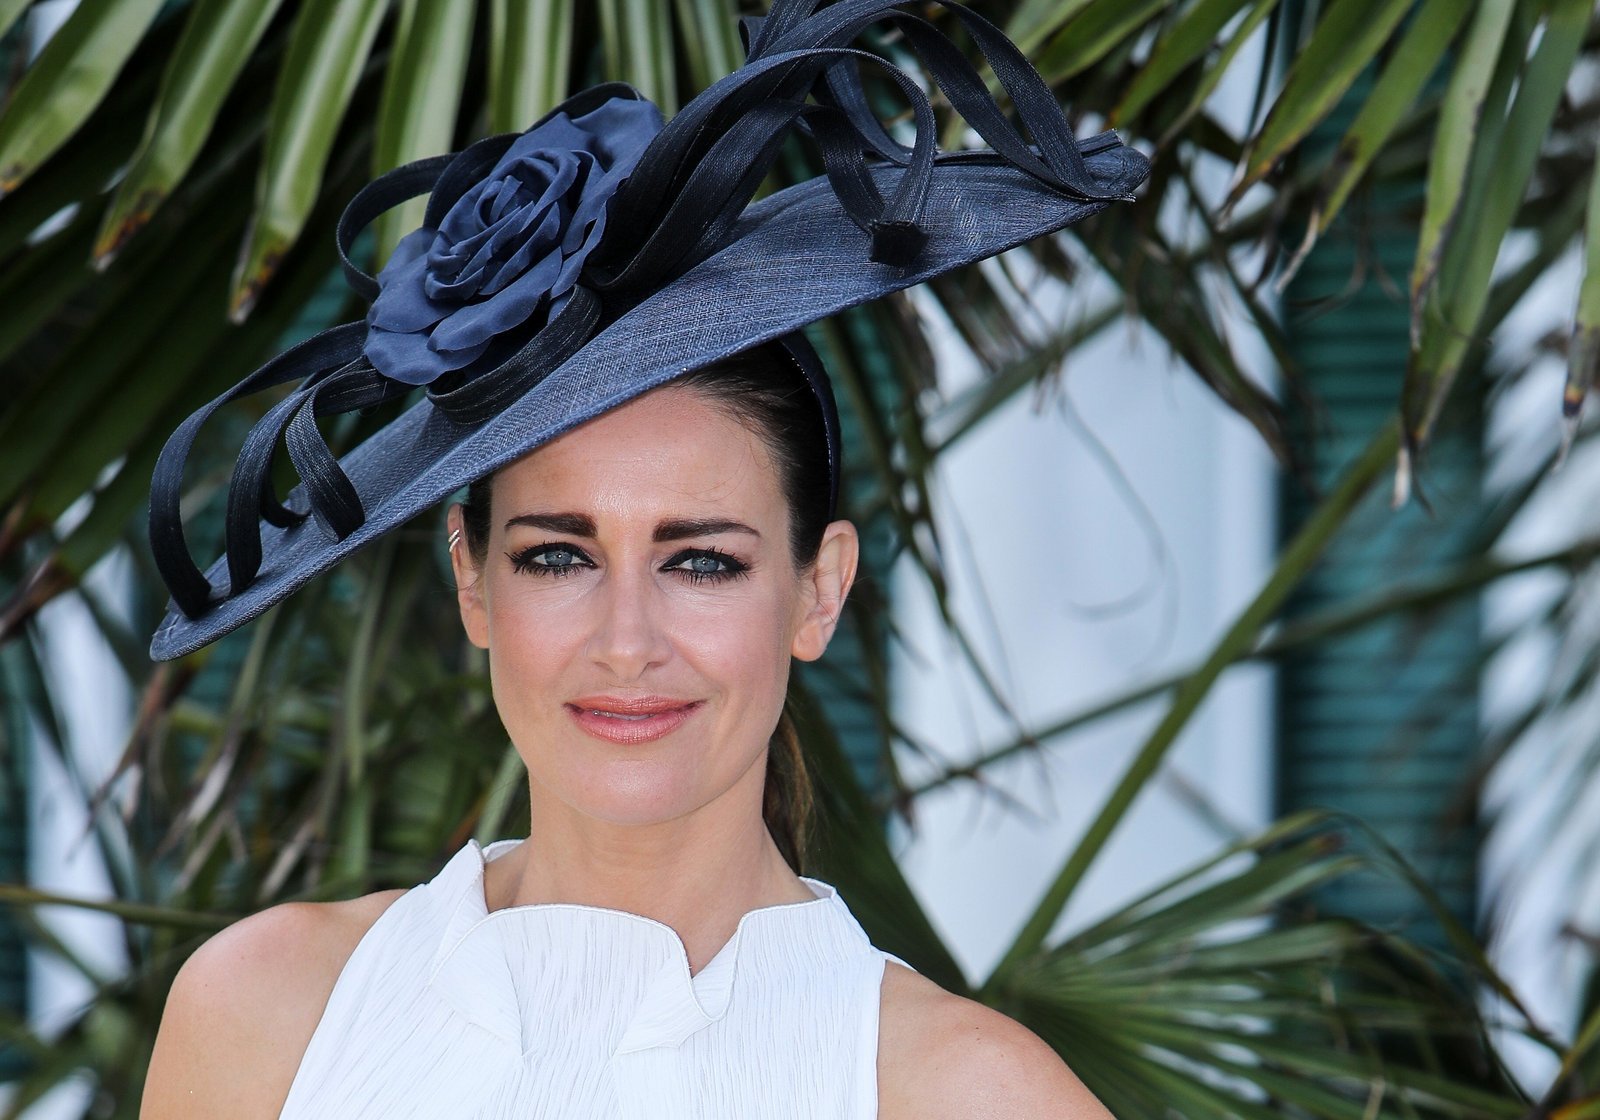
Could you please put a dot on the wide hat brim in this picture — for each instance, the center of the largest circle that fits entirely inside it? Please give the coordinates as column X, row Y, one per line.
column 794, row 258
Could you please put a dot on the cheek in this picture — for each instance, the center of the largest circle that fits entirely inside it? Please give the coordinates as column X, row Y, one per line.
column 533, row 640
column 740, row 641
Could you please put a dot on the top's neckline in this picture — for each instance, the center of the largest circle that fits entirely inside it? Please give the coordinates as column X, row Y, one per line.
column 825, row 894
column 480, row 966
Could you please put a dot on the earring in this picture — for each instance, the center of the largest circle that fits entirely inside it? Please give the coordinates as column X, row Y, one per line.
column 455, row 537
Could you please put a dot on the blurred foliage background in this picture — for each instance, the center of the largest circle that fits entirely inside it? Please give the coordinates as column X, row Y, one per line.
column 170, row 174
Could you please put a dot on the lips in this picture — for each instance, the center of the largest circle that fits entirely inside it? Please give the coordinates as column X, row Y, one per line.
column 638, row 719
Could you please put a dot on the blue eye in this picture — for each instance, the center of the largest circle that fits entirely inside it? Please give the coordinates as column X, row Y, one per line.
column 548, row 559
column 709, row 564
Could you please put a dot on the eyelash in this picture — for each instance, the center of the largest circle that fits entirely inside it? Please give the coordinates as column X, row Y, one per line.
column 523, row 561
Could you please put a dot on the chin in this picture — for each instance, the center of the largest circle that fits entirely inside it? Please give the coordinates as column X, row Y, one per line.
column 641, row 784
column 625, row 790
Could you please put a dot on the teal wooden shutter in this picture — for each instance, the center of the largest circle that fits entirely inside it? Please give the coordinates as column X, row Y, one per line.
column 1383, row 722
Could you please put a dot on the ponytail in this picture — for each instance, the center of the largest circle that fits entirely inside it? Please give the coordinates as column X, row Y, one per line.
column 787, row 802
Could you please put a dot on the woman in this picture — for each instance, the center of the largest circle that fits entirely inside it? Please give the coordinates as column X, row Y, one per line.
column 608, row 332
column 589, row 606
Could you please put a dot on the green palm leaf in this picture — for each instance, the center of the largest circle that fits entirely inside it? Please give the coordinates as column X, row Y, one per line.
column 1428, row 35
column 216, row 43
column 1208, row 972
column 530, row 58
column 70, row 77
column 1507, row 154
column 1584, row 353
column 303, row 759
column 9, row 11
column 326, row 56
column 1344, row 41
column 638, row 39
column 1182, row 43
column 421, row 98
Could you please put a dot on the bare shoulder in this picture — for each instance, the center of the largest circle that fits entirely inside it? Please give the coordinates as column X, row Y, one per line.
column 941, row 1055
column 243, row 1007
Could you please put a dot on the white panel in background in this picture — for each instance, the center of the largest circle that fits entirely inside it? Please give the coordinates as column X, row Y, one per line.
column 1076, row 585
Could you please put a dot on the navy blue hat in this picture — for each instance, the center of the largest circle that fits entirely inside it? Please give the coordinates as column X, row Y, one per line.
column 565, row 270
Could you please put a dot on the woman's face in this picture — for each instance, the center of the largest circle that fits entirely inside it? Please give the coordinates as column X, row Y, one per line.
column 642, row 560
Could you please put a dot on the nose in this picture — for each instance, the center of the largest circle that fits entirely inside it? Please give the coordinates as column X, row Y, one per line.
column 629, row 634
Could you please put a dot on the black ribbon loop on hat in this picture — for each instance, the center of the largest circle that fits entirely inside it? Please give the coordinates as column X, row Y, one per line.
column 333, row 500
column 688, row 190
column 840, row 22
column 444, row 178
column 333, row 496
column 704, row 167
column 250, row 495
column 846, row 92
column 782, row 16
column 896, row 236
column 189, row 587
column 487, row 394
column 387, row 190
column 700, row 213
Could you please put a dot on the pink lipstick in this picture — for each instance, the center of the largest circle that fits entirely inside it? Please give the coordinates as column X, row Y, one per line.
column 631, row 720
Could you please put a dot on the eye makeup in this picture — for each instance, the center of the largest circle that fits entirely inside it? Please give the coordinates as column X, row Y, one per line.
column 531, row 560
column 731, row 568
column 528, row 559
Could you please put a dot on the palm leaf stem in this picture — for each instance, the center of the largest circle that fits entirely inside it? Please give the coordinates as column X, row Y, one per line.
column 13, row 894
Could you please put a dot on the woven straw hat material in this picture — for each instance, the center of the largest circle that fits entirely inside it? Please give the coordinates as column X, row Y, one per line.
column 688, row 271
column 424, row 456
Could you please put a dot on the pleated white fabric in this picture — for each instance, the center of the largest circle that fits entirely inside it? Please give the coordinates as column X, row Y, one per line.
column 563, row 1010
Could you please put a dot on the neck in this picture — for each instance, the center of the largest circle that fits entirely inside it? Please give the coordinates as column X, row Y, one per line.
column 698, row 873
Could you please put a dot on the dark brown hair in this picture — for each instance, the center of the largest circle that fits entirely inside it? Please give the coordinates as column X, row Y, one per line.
column 763, row 389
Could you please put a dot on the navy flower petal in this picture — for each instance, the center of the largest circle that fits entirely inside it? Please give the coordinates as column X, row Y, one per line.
column 456, row 359
column 508, row 308
column 536, row 244
column 404, row 356
column 402, row 305
column 510, row 249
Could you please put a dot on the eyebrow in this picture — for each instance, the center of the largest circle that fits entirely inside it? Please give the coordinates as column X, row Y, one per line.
column 675, row 529
column 574, row 524
column 685, row 527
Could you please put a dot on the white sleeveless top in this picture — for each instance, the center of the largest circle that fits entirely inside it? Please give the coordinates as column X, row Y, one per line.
column 446, row 1010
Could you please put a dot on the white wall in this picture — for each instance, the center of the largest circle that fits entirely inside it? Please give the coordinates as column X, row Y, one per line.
column 1540, row 865
column 63, row 857
column 1075, row 594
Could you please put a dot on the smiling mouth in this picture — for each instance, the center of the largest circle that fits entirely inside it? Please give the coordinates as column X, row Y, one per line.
column 632, row 727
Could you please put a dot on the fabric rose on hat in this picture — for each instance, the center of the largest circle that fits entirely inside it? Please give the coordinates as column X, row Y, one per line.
column 513, row 241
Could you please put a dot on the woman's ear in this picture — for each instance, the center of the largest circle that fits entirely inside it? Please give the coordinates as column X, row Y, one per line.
column 469, row 589
column 826, row 586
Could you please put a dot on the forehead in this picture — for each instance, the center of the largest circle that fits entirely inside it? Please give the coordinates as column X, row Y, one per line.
column 665, row 449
